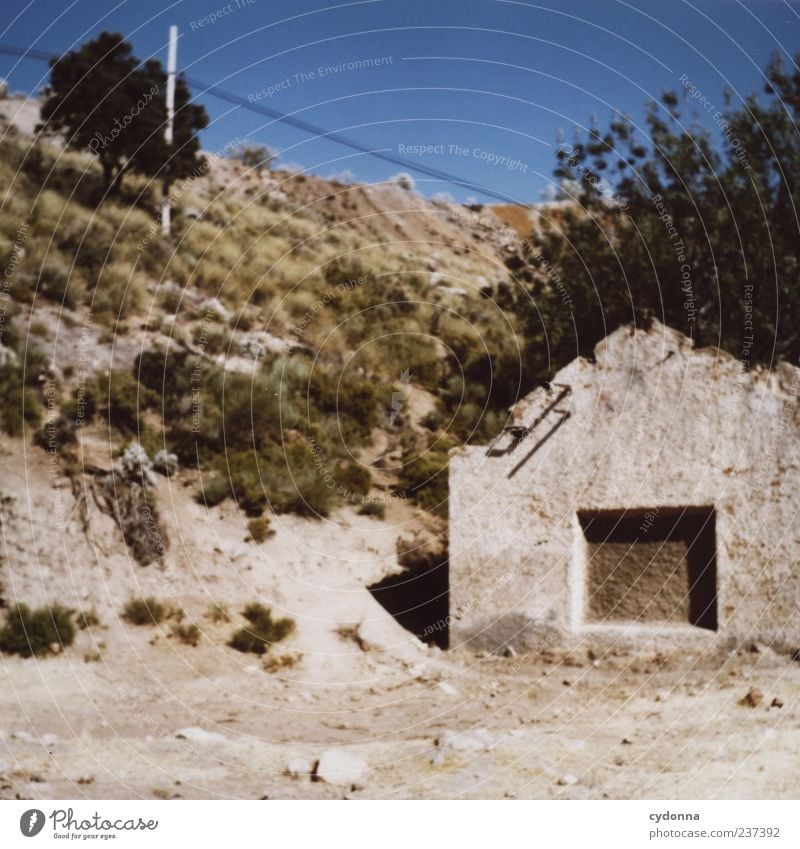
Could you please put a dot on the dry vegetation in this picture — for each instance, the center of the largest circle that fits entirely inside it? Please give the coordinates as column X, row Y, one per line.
column 266, row 332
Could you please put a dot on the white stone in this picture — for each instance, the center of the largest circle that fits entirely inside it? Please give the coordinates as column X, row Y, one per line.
column 341, row 767
column 300, row 767
column 471, row 741
column 199, row 735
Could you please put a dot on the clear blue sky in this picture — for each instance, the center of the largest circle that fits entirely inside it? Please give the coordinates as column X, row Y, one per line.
column 490, row 77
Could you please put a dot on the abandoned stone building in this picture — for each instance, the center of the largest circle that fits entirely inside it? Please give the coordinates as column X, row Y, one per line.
column 650, row 493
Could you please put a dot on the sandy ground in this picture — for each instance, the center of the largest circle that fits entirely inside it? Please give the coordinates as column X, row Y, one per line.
column 457, row 725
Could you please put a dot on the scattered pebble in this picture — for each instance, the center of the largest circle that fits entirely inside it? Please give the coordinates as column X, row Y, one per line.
column 199, row 735
column 476, row 740
column 300, row 767
column 752, row 698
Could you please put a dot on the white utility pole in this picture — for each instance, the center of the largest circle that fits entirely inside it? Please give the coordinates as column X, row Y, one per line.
column 172, row 63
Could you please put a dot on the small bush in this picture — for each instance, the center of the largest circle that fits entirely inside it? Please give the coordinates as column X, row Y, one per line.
column 20, row 404
column 373, row 508
column 254, row 156
column 55, row 283
column 353, row 481
column 81, row 406
column 433, row 421
column 425, row 480
column 245, row 482
column 213, row 342
column 119, row 291
column 296, row 484
column 262, row 632
column 33, row 632
column 55, row 434
column 218, row 613
column 259, row 529
column 214, row 490
column 145, row 611
column 281, row 660
column 88, row 619
column 404, row 180
column 188, row 634
column 124, row 399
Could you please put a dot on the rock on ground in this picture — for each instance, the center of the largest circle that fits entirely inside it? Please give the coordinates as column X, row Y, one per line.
column 338, row 766
column 199, row 735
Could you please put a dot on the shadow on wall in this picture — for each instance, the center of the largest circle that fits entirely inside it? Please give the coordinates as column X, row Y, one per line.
column 655, row 565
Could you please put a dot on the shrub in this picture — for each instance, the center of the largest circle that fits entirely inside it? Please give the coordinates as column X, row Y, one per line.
column 218, row 613
column 188, row 634
column 254, row 156
column 33, row 632
column 56, row 434
column 262, row 632
column 80, row 407
column 433, row 421
column 214, row 489
column 169, row 375
column 213, row 341
column 259, row 529
column 144, row 611
column 404, row 180
column 296, row 484
column 88, row 619
column 373, row 508
column 124, row 399
column 20, row 405
column 425, row 480
column 245, row 482
column 56, row 284
column 355, row 403
column 353, row 482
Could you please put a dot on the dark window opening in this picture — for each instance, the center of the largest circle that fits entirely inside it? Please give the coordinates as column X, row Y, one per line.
column 654, row 565
column 418, row 597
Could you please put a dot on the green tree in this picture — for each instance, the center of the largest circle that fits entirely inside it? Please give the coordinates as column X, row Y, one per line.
column 103, row 99
column 700, row 233
column 254, row 156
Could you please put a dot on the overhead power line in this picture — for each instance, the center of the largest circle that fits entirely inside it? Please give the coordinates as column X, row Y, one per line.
column 304, row 126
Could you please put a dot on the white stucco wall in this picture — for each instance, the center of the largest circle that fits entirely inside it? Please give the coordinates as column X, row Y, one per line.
column 652, row 423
